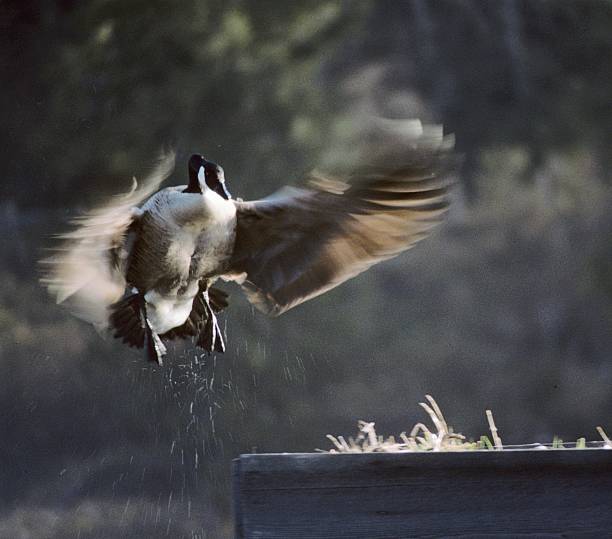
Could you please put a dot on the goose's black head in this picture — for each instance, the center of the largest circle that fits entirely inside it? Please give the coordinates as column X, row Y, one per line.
column 203, row 174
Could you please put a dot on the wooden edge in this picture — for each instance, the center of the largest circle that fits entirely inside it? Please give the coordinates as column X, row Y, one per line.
column 277, row 461
column 267, row 482
column 236, row 498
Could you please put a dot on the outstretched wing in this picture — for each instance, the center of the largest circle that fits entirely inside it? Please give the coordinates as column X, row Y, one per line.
column 299, row 243
column 86, row 272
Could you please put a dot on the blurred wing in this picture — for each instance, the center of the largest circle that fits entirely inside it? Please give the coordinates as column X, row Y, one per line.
column 299, row 243
column 86, row 272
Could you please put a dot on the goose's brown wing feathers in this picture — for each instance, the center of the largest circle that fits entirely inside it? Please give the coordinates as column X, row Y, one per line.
column 87, row 271
column 300, row 243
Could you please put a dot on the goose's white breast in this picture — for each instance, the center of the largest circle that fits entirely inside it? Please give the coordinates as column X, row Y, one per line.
column 203, row 232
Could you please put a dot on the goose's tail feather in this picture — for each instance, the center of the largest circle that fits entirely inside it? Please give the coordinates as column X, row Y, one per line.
column 128, row 320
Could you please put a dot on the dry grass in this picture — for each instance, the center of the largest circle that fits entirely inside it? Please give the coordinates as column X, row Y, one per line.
column 442, row 437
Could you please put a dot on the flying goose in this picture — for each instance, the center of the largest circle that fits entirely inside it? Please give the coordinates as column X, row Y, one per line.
column 142, row 267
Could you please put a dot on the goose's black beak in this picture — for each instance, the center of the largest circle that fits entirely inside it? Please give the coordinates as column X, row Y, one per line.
column 221, row 190
column 215, row 179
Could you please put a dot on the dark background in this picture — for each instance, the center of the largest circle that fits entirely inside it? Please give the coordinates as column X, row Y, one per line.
column 508, row 306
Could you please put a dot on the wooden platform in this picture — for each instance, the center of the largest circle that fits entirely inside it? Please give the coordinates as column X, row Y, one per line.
column 521, row 493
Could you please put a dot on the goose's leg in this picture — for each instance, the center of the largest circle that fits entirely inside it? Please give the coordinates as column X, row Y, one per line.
column 153, row 345
column 129, row 322
column 211, row 338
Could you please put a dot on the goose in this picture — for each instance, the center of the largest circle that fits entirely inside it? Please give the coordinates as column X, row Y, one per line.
column 143, row 266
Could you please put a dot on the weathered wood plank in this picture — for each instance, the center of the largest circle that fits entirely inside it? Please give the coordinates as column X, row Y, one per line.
column 523, row 493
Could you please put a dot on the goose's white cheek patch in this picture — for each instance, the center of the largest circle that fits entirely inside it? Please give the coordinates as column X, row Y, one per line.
column 202, row 177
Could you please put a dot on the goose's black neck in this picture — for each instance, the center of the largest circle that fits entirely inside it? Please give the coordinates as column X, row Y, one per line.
column 194, row 165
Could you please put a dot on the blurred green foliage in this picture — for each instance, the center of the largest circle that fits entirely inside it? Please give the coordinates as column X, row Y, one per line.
column 94, row 89
column 120, row 80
